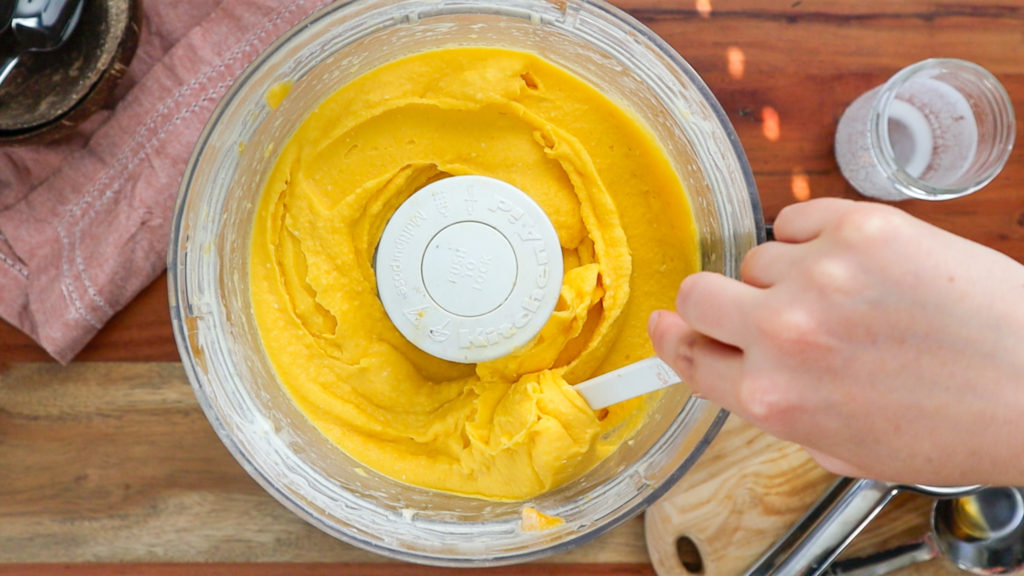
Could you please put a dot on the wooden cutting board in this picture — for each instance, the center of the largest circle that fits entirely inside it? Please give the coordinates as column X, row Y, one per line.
column 744, row 494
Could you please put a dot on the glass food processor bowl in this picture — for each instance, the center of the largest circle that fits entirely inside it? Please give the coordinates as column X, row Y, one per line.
column 208, row 277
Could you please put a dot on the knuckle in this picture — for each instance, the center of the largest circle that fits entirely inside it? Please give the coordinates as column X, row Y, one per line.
column 680, row 357
column 793, row 325
column 761, row 401
column 683, row 365
column 869, row 223
column 674, row 343
column 835, row 275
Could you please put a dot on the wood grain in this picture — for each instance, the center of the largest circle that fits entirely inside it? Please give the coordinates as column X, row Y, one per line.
column 313, row 569
column 110, row 461
column 747, row 492
column 115, row 462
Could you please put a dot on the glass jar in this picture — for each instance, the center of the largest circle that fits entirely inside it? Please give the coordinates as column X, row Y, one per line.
column 938, row 129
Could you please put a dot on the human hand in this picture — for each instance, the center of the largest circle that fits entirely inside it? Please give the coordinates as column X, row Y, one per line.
column 889, row 348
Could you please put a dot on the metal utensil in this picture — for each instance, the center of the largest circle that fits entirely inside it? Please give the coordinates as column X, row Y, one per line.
column 982, row 533
column 810, row 547
column 6, row 11
column 39, row 26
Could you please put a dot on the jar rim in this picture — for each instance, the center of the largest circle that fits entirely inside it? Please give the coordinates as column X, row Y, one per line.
column 996, row 98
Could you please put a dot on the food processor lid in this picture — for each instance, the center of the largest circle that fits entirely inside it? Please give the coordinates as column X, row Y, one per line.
column 469, row 268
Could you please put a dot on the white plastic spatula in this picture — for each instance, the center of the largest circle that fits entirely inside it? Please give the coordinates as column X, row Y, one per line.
column 630, row 381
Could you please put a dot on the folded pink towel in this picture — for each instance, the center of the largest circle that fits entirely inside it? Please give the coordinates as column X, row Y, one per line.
column 84, row 222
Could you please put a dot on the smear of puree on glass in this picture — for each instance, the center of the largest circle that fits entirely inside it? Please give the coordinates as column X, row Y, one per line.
column 506, row 429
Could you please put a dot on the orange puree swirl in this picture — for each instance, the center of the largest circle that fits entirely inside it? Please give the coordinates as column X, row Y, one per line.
column 513, row 427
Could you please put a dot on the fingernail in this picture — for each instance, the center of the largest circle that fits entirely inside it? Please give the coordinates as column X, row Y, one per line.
column 653, row 321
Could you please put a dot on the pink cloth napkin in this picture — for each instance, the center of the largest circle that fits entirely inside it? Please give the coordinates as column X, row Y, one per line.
column 84, row 222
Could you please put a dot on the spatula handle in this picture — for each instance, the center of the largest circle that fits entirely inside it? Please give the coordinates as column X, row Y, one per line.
column 630, row 381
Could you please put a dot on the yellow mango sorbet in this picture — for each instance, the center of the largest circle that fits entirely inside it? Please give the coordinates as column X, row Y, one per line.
column 505, row 429
column 534, row 520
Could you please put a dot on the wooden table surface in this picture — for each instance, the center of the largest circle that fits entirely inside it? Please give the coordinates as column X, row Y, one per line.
column 107, row 466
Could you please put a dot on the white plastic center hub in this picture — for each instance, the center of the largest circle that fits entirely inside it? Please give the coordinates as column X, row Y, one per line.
column 469, row 268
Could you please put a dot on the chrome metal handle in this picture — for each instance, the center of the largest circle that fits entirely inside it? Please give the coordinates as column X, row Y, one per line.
column 7, row 66
column 887, row 561
column 810, row 546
